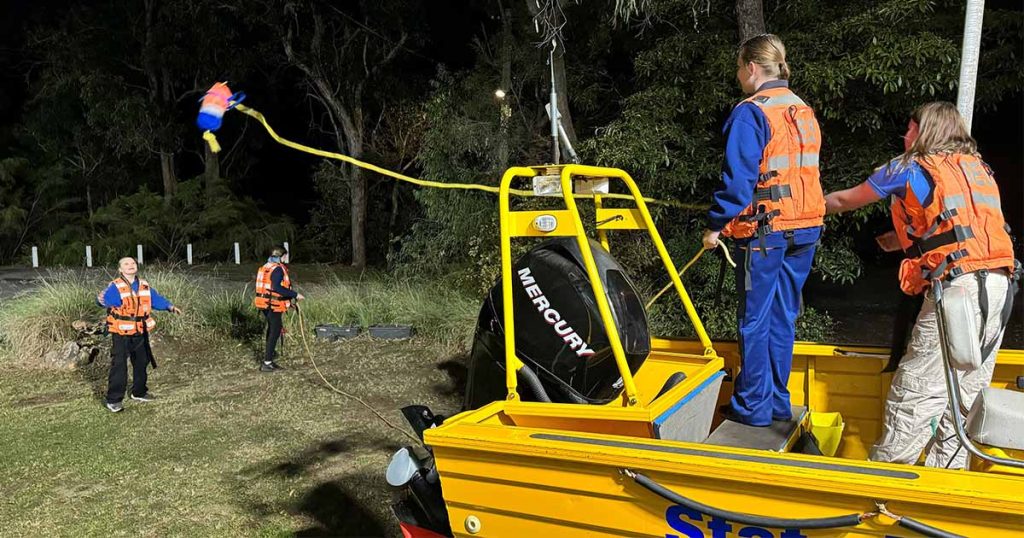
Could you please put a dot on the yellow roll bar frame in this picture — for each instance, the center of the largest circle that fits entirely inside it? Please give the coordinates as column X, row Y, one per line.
column 512, row 225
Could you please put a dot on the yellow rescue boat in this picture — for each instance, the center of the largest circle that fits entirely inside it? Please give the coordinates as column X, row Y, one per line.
column 657, row 459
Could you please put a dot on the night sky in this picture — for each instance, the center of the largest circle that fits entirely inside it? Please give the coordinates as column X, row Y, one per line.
column 452, row 26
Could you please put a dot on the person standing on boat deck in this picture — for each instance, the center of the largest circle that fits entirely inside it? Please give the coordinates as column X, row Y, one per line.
column 949, row 223
column 770, row 203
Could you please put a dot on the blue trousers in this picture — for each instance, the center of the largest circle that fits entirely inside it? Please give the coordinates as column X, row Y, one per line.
column 769, row 283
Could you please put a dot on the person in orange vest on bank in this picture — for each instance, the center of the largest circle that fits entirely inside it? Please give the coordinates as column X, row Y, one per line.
column 770, row 203
column 273, row 297
column 949, row 223
column 129, row 301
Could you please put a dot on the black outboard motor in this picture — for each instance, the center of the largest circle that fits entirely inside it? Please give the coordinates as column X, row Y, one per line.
column 560, row 339
column 559, row 334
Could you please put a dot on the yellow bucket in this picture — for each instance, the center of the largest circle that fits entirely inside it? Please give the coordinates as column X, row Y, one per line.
column 828, row 430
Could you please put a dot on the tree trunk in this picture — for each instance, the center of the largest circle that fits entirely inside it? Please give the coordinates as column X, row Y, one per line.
column 211, row 171
column 392, row 220
column 359, row 189
column 88, row 203
column 169, row 179
column 359, row 195
column 749, row 18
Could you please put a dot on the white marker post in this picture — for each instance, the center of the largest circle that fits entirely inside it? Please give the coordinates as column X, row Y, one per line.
column 35, row 257
column 88, row 256
column 238, row 259
column 188, row 253
column 288, row 250
column 138, row 258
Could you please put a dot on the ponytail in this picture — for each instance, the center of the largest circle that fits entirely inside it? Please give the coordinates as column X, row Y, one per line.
column 767, row 51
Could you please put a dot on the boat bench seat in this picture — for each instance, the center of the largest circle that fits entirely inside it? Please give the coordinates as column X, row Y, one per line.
column 997, row 418
column 778, row 437
column 689, row 419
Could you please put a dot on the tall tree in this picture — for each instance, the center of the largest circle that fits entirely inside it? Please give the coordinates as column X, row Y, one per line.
column 749, row 18
column 339, row 53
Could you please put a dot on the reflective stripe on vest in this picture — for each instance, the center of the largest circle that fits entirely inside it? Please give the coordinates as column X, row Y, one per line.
column 266, row 298
column 135, row 309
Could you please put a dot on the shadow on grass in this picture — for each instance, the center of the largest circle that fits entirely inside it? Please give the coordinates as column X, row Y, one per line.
column 352, row 505
column 95, row 375
column 337, row 511
column 458, row 375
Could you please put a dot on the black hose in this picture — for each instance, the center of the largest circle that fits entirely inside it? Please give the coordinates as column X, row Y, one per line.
column 532, row 381
column 672, row 381
column 850, row 520
column 926, row 530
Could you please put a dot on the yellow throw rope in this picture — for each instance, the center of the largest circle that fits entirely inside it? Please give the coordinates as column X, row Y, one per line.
column 309, row 353
column 255, row 114
column 728, row 258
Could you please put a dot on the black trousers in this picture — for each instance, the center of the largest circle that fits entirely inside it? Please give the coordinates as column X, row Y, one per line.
column 137, row 348
column 274, row 324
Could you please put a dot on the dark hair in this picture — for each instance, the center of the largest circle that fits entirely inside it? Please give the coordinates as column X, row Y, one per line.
column 278, row 251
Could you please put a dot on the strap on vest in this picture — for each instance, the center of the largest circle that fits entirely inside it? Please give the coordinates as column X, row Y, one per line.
column 954, row 256
column 129, row 318
column 773, row 193
column 763, row 219
column 1004, row 316
column 928, row 243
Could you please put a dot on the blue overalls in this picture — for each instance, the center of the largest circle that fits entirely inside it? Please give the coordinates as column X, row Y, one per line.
column 769, row 282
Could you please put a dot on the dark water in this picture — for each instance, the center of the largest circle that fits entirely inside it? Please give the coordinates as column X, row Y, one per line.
column 865, row 311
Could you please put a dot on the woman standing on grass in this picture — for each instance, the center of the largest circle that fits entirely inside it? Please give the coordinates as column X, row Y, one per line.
column 129, row 300
column 274, row 294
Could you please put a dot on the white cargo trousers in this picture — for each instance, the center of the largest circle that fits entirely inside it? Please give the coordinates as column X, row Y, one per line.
column 916, row 410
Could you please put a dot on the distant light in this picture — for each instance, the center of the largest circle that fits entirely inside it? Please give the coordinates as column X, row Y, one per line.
column 499, row 93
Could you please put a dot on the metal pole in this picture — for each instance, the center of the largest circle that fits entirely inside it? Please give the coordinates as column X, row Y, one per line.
column 188, row 253
column 969, row 54
column 554, row 106
column 88, row 256
column 138, row 251
column 956, row 408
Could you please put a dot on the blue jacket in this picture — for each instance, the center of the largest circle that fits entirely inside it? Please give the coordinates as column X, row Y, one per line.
column 276, row 278
column 112, row 297
column 746, row 134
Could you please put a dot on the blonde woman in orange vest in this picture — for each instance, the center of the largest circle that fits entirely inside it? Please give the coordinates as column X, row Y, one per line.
column 949, row 223
column 129, row 301
column 273, row 297
column 770, row 203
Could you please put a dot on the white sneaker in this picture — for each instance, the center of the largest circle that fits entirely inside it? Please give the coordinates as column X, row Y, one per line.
column 147, row 397
column 115, row 407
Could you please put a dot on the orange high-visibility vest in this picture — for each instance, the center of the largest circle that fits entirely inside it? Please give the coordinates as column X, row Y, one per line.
column 788, row 193
column 960, row 231
column 132, row 317
column 267, row 298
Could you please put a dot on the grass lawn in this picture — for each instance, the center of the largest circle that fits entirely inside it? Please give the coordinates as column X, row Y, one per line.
column 224, row 451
